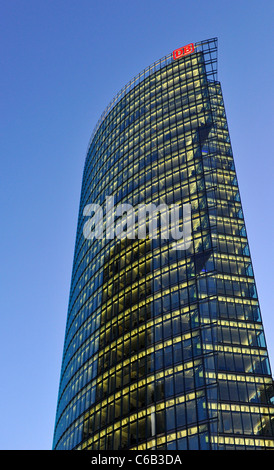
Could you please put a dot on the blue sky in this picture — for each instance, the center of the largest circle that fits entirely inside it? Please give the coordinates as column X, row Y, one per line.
column 62, row 61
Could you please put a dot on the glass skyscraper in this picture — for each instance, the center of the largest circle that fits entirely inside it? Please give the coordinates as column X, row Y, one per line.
column 164, row 348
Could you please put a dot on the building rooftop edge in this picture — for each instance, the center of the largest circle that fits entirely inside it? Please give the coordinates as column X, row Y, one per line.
column 205, row 45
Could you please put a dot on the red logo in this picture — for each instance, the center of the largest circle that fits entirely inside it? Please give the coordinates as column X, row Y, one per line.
column 182, row 51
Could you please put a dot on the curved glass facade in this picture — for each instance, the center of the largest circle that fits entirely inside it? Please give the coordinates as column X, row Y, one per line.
column 164, row 348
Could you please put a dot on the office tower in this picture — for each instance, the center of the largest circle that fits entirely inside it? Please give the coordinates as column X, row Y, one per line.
column 164, row 347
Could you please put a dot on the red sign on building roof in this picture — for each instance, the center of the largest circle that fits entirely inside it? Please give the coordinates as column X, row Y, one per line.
column 183, row 51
